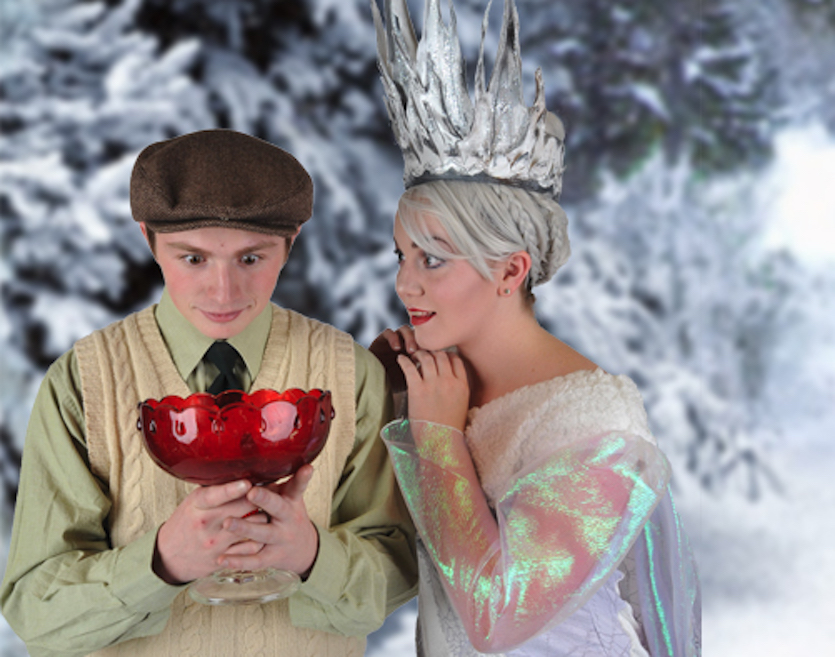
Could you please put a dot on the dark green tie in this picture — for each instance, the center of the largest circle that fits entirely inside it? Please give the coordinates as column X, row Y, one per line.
column 224, row 357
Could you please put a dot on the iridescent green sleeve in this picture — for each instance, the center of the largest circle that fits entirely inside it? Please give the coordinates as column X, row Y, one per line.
column 558, row 531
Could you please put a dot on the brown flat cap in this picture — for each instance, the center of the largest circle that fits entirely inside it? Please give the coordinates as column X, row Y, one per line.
column 220, row 178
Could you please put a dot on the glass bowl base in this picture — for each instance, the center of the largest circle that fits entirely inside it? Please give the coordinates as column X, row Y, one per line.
column 244, row 587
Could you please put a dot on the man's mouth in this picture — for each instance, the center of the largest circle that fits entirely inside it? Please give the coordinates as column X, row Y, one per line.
column 222, row 318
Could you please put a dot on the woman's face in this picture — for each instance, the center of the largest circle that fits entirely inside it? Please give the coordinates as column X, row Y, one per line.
column 448, row 301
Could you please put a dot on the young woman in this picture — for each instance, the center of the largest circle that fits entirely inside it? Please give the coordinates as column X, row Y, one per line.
column 540, row 496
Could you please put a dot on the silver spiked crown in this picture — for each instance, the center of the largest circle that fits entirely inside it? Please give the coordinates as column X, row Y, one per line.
column 442, row 132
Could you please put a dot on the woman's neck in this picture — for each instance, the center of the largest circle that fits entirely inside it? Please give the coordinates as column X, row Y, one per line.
column 516, row 353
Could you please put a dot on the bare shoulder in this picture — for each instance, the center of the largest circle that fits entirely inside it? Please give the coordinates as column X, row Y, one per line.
column 565, row 360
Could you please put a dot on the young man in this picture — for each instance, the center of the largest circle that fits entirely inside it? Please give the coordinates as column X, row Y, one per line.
column 104, row 542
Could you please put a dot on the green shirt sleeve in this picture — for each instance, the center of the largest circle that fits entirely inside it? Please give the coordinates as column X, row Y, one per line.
column 366, row 564
column 65, row 592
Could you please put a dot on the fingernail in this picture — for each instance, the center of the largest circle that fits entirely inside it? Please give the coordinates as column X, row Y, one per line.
column 241, row 486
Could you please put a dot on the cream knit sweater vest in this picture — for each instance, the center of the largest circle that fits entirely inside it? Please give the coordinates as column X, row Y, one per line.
column 127, row 362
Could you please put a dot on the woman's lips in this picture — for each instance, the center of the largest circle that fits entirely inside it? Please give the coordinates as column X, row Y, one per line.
column 418, row 317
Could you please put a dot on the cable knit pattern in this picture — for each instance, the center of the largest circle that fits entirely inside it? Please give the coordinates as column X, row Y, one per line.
column 189, row 639
column 255, row 638
column 127, row 362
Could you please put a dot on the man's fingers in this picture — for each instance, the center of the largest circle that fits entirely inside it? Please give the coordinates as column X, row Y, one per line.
column 294, row 488
column 276, row 502
column 211, row 497
column 244, row 548
column 249, row 531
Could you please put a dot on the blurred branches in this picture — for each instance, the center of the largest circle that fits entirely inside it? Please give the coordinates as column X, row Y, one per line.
column 659, row 100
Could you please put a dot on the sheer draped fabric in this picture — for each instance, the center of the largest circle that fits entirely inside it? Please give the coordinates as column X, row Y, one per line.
column 559, row 529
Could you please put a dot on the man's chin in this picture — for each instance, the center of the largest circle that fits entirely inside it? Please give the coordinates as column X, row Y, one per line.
column 221, row 330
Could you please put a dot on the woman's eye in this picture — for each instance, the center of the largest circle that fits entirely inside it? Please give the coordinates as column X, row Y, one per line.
column 399, row 254
column 432, row 262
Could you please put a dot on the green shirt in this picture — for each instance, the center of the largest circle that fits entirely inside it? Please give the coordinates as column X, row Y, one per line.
column 66, row 592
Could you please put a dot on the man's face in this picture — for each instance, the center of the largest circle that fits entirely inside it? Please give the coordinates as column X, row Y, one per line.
column 220, row 279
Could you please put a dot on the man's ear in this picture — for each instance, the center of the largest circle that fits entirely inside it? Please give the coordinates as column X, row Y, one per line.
column 514, row 272
column 291, row 239
column 149, row 237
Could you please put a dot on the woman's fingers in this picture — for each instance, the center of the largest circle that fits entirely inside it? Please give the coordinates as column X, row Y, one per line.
column 393, row 338
column 407, row 335
column 426, row 363
column 430, row 365
column 443, row 363
column 410, row 371
column 459, row 371
column 399, row 341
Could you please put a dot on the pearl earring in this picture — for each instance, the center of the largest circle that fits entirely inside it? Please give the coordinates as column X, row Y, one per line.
column 507, row 291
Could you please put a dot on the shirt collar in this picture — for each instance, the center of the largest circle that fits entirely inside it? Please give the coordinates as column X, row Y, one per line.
column 187, row 345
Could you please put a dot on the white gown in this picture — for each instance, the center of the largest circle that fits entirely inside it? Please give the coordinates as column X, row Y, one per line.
column 526, row 521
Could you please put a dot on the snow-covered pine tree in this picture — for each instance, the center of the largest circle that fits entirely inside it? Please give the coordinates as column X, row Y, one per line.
column 630, row 78
column 83, row 94
column 94, row 82
column 671, row 264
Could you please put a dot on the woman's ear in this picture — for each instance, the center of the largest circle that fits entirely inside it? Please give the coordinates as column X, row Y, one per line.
column 514, row 272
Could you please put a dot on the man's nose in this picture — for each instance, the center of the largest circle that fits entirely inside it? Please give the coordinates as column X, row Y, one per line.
column 224, row 283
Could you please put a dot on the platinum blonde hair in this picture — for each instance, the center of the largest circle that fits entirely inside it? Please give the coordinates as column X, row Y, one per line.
column 487, row 223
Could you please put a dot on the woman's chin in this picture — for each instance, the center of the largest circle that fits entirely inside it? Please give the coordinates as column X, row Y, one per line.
column 428, row 342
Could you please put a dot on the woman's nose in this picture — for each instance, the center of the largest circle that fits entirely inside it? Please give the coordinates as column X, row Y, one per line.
column 406, row 283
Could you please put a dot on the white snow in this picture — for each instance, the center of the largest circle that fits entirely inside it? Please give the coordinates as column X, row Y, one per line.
column 800, row 187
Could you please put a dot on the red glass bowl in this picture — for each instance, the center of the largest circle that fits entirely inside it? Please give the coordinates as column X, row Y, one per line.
column 213, row 439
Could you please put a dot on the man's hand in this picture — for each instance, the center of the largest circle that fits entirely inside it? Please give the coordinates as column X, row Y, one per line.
column 190, row 542
column 290, row 540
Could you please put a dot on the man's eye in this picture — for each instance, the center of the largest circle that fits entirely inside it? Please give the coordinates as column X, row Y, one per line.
column 192, row 259
column 250, row 259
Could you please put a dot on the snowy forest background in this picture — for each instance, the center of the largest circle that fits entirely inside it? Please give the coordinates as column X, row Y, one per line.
column 700, row 154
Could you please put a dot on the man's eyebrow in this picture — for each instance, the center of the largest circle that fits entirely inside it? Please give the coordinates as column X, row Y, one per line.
column 185, row 246
column 257, row 246
column 263, row 244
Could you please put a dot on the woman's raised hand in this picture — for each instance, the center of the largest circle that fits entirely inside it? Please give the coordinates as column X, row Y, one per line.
column 438, row 388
